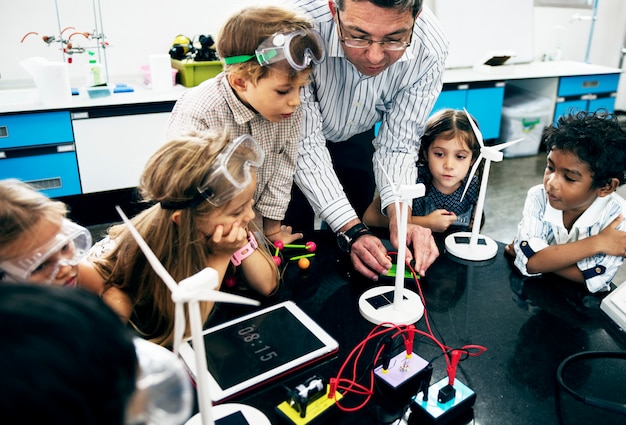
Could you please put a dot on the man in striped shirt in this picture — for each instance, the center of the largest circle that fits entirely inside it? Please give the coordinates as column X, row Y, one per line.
column 385, row 60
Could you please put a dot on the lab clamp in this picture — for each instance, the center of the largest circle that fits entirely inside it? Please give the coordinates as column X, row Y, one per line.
column 67, row 46
column 70, row 45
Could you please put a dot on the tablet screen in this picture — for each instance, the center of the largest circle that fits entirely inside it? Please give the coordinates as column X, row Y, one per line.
column 246, row 349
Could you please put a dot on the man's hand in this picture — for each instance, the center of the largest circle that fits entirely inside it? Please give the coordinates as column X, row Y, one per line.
column 423, row 247
column 369, row 257
column 419, row 240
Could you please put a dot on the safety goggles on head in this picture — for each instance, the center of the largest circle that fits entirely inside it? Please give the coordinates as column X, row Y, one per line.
column 67, row 247
column 299, row 48
column 229, row 174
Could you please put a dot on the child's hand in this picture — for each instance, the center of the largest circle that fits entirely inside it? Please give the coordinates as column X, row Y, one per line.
column 613, row 240
column 440, row 220
column 285, row 234
column 510, row 250
column 227, row 244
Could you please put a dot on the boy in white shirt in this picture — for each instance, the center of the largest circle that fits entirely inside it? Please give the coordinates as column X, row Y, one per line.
column 572, row 224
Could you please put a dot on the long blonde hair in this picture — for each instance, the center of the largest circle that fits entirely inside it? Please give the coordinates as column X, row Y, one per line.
column 21, row 208
column 172, row 174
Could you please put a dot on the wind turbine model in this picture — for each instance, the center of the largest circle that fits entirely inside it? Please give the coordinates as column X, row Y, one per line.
column 190, row 291
column 471, row 245
column 395, row 304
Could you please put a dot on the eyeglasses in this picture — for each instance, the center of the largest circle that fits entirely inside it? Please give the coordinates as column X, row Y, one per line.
column 68, row 247
column 228, row 175
column 364, row 43
column 299, row 48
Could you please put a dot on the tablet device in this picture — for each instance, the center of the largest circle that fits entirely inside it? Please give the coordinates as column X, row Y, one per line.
column 247, row 352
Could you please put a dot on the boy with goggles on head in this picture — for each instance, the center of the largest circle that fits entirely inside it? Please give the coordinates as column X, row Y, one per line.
column 201, row 187
column 37, row 243
column 268, row 54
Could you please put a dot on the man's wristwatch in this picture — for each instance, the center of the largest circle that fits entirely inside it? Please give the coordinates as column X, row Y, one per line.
column 347, row 238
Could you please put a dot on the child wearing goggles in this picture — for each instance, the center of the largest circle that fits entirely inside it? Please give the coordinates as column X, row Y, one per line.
column 201, row 187
column 268, row 53
column 38, row 244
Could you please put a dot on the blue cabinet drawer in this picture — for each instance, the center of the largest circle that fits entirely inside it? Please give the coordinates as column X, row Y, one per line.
column 588, row 84
column 43, row 128
column 54, row 174
column 482, row 101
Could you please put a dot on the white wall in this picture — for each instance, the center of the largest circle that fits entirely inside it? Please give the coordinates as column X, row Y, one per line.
column 137, row 28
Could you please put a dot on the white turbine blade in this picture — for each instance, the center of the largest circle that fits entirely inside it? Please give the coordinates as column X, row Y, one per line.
column 475, row 129
column 385, row 173
column 491, row 154
column 507, row 144
column 201, row 287
column 471, row 174
column 394, row 189
column 412, row 191
column 206, row 277
column 152, row 259
column 224, row 297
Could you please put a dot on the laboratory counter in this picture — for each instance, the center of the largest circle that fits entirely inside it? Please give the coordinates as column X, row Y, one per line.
column 528, row 326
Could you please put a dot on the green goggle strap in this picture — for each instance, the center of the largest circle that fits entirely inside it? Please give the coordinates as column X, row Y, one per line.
column 262, row 58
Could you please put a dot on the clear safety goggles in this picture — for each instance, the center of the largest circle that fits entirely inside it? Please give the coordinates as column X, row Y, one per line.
column 299, row 48
column 229, row 174
column 68, row 247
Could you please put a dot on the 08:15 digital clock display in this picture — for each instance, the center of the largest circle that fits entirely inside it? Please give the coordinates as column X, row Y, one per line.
column 253, row 340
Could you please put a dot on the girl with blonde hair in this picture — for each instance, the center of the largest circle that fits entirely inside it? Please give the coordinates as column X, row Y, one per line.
column 201, row 187
column 38, row 244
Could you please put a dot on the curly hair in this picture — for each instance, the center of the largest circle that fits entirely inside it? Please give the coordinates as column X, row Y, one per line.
column 596, row 138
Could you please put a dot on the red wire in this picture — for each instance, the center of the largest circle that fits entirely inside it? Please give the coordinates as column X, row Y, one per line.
column 351, row 385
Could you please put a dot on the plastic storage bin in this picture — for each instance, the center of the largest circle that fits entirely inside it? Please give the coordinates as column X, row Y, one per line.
column 193, row 73
column 524, row 115
column 147, row 75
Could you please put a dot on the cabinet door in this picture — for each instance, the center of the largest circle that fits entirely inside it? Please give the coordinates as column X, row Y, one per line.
column 455, row 99
column 112, row 151
column 482, row 100
column 41, row 128
column 53, row 173
column 607, row 103
column 485, row 105
column 588, row 84
column 562, row 108
column 38, row 148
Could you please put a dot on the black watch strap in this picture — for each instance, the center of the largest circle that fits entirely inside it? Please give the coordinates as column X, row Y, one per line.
column 357, row 231
column 351, row 235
